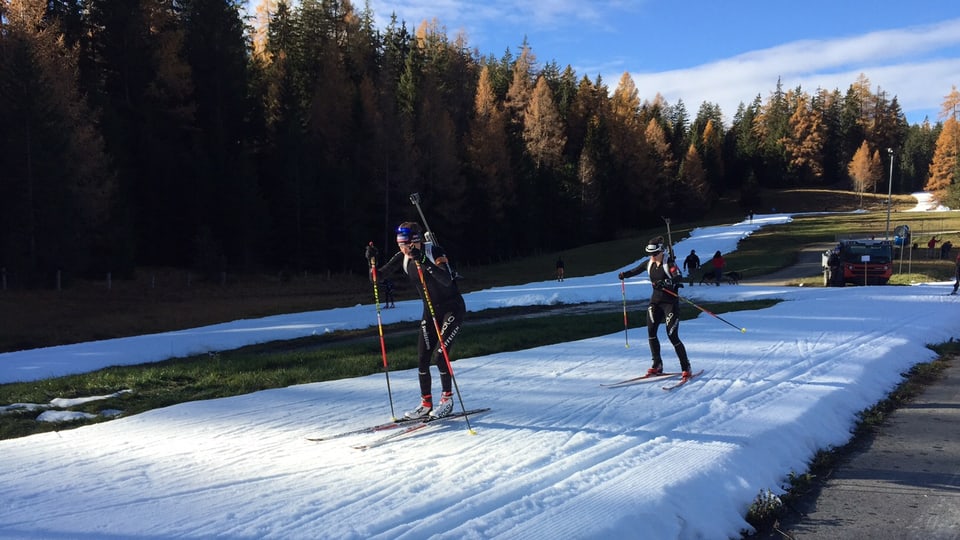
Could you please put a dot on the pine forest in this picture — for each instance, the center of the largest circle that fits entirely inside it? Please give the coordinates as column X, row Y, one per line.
column 192, row 134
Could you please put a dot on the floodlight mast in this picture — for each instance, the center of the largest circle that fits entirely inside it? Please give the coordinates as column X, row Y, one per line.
column 889, row 192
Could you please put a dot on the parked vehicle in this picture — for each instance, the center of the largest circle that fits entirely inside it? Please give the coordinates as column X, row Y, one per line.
column 901, row 236
column 858, row 262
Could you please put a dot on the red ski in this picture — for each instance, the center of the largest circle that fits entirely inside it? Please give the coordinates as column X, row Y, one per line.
column 683, row 381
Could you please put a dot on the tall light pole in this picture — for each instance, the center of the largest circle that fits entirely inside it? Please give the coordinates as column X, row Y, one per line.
column 889, row 192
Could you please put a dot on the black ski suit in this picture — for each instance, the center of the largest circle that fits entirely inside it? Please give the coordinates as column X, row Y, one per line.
column 448, row 305
column 664, row 308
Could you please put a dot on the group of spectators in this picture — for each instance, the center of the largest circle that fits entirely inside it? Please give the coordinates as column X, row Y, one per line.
column 692, row 264
column 944, row 248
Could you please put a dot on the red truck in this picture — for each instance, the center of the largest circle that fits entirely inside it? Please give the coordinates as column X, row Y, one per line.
column 858, row 262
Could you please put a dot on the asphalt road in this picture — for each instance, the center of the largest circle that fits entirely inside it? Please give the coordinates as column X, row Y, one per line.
column 809, row 263
column 904, row 483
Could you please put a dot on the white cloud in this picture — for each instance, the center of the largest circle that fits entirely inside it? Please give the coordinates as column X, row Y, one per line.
column 890, row 59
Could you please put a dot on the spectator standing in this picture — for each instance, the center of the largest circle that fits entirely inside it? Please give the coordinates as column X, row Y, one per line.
column 956, row 284
column 931, row 246
column 388, row 290
column 691, row 264
column 834, row 270
column 718, row 264
column 560, row 268
column 945, row 250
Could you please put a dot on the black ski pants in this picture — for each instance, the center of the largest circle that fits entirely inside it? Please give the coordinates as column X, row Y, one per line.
column 665, row 313
column 449, row 318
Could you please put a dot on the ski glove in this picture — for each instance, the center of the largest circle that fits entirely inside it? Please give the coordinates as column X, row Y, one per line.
column 418, row 255
column 621, row 276
column 370, row 253
column 667, row 284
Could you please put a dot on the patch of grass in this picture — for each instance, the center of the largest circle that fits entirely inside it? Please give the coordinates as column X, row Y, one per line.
column 160, row 300
column 765, row 506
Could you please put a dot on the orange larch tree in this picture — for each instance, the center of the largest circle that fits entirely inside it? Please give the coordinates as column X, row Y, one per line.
column 945, row 167
column 859, row 169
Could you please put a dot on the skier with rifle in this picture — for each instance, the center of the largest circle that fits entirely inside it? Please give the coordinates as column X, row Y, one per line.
column 425, row 264
column 664, row 305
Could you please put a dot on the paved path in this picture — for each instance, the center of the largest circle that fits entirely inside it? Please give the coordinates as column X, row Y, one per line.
column 809, row 263
column 905, row 482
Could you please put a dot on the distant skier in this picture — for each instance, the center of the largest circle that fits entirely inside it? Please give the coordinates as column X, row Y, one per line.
column 559, row 268
column 664, row 307
column 447, row 304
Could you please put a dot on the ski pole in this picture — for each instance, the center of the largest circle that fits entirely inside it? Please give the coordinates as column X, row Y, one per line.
column 443, row 345
column 708, row 312
column 383, row 345
column 623, row 292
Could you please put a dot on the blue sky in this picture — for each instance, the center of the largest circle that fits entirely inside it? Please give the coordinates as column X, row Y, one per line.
column 722, row 52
